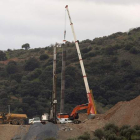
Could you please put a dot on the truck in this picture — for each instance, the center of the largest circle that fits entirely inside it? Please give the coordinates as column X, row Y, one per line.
column 34, row 120
column 15, row 119
column 44, row 119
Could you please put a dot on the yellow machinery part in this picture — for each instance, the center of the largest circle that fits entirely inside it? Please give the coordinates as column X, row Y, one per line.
column 93, row 102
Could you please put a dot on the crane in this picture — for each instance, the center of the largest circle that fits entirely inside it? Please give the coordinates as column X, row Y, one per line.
column 89, row 93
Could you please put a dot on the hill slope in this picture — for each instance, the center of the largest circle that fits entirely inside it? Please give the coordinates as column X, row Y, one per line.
column 112, row 64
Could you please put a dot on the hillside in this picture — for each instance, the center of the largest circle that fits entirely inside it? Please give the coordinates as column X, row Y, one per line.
column 112, row 64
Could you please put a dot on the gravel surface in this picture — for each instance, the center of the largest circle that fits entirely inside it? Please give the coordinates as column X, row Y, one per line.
column 39, row 131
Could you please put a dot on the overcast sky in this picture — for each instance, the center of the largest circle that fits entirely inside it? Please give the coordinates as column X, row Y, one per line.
column 41, row 22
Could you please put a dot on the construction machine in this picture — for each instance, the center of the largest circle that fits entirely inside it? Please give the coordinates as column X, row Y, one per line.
column 14, row 119
column 91, row 110
column 73, row 117
column 88, row 91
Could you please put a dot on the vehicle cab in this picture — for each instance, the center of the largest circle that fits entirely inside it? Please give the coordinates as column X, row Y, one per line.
column 34, row 120
column 63, row 118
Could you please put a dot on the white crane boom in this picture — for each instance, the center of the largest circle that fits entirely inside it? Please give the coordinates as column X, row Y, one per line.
column 89, row 94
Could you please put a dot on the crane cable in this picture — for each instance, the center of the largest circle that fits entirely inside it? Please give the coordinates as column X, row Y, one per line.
column 65, row 27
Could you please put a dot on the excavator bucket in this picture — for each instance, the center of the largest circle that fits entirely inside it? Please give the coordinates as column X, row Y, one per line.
column 91, row 116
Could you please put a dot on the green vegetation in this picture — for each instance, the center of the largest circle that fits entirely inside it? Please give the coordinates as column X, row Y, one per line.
column 2, row 56
column 44, row 56
column 50, row 139
column 85, row 136
column 26, row 46
column 112, row 67
column 112, row 132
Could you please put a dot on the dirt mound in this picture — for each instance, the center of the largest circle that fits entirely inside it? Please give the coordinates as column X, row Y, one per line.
column 125, row 113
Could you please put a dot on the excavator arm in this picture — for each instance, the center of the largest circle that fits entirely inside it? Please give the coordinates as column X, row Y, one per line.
column 81, row 107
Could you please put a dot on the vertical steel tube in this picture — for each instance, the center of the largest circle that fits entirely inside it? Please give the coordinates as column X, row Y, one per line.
column 54, row 101
column 90, row 100
column 54, row 85
column 62, row 101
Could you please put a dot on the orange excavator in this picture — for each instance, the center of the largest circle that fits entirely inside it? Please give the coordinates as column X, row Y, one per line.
column 73, row 117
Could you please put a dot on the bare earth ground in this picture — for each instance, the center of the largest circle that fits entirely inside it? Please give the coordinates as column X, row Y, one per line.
column 73, row 130
column 122, row 113
column 7, row 131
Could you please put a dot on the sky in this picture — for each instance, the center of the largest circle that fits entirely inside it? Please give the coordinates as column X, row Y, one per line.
column 42, row 22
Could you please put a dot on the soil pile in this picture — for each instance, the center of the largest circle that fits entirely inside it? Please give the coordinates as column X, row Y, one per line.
column 123, row 113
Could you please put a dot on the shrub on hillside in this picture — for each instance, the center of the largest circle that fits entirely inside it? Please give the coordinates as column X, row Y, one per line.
column 17, row 77
column 50, row 139
column 128, row 133
column 43, row 57
column 85, row 136
column 86, row 50
column 137, row 127
column 133, row 50
column 34, row 74
column 111, row 127
column 125, row 63
column 11, row 68
column 99, row 133
column 114, row 59
column 31, row 64
column 128, row 45
column 2, row 56
column 109, row 51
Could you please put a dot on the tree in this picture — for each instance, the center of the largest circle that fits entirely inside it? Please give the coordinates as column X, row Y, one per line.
column 43, row 57
column 124, row 127
column 50, row 139
column 129, row 132
column 111, row 127
column 17, row 77
column 11, row 68
column 26, row 46
column 31, row 64
column 2, row 56
column 34, row 74
column 133, row 50
column 85, row 136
